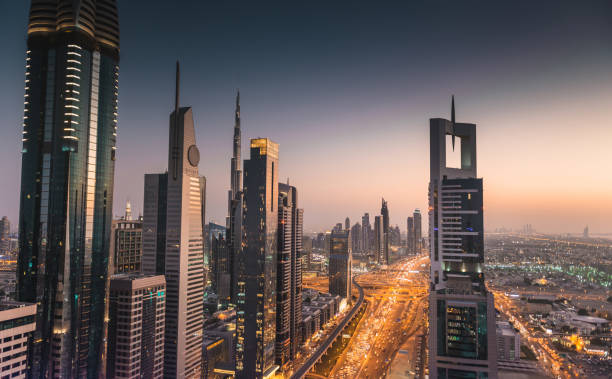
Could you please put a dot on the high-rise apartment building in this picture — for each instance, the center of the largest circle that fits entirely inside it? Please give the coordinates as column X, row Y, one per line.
column 418, row 234
column 384, row 212
column 235, row 205
column 379, row 238
column 340, row 264
column 289, row 275
column 137, row 309
column 356, row 238
column 5, row 237
column 17, row 321
column 256, row 285
column 126, row 243
column 366, row 230
column 347, row 223
column 410, row 235
column 173, row 245
column 461, row 313
column 68, row 161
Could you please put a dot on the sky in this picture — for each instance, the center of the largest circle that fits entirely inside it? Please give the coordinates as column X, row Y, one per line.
column 347, row 89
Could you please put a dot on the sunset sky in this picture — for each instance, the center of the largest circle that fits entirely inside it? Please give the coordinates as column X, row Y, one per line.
column 347, row 90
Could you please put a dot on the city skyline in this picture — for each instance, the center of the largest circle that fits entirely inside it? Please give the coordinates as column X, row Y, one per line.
column 549, row 101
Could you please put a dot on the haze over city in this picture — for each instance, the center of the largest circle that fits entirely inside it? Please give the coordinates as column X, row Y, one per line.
column 347, row 90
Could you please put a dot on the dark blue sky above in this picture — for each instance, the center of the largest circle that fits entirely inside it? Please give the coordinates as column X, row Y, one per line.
column 346, row 89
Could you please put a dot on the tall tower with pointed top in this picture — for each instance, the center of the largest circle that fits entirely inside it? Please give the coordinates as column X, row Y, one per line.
column 461, row 311
column 66, row 201
column 173, row 244
column 384, row 212
column 234, row 204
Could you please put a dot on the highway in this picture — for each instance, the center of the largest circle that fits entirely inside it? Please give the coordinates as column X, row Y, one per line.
column 302, row 371
column 398, row 312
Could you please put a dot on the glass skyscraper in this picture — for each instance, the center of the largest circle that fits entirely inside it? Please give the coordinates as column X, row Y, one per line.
column 68, row 161
column 256, row 289
column 462, row 340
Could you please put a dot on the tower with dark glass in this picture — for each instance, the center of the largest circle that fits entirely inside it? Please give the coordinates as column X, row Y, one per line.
column 256, row 284
column 462, row 316
column 68, row 160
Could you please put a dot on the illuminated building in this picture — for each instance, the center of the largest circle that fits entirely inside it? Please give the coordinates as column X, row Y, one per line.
column 5, row 238
column 220, row 268
column 384, row 212
column 234, row 205
column 68, row 163
column 256, row 285
column 173, row 244
column 126, row 243
column 17, row 324
column 137, row 305
column 289, row 275
column 462, row 342
column 340, row 263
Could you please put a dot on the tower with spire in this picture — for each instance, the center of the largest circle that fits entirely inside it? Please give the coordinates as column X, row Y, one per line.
column 173, row 246
column 234, row 203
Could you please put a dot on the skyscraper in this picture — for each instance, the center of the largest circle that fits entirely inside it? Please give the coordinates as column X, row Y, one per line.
column 461, row 312
column 347, row 223
column 410, row 235
column 256, row 285
column 340, row 264
column 220, row 268
column 18, row 325
column 137, row 305
column 366, row 230
column 289, row 275
column 384, row 212
column 418, row 234
column 356, row 238
column 126, row 244
column 173, row 243
column 234, row 205
column 379, row 239
column 68, row 161
column 5, row 230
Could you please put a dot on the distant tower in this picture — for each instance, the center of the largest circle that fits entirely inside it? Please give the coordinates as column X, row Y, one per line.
column 5, row 240
column 410, row 246
column 379, row 238
column 418, row 234
column 384, row 212
column 585, row 234
column 128, row 211
column 256, row 285
column 462, row 341
column 366, row 230
column 173, row 244
column 340, row 264
column 234, row 205
column 347, row 223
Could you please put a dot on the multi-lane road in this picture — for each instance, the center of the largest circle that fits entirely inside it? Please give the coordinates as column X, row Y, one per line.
column 397, row 311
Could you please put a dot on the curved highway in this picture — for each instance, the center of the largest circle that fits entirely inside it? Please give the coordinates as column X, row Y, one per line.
column 302, row 371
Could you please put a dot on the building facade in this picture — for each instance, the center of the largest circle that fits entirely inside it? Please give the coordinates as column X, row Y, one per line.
column 410, row 235
column 173, row 244
column 379, row 238
column 462, row 316
column 256, row 285
column 17, row 325
column 68, row 160
column 126, row 244
column 137, row 309
column 289, row 275
column 340, row 264
column 366, row 230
